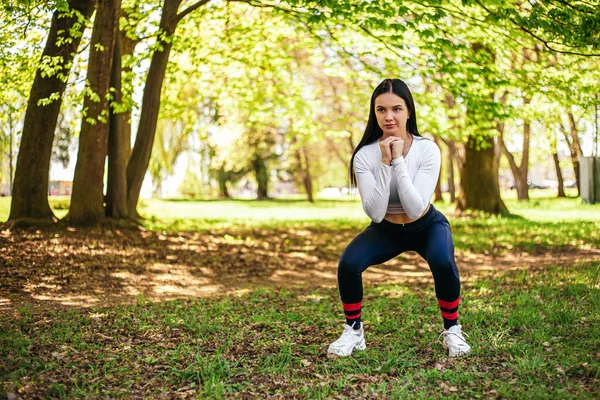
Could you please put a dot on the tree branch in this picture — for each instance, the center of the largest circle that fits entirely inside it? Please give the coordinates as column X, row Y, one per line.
column 273, row 6
column 546, row 43
column 190, row 9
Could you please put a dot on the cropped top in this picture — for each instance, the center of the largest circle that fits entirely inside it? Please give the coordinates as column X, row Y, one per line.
column 406, row 186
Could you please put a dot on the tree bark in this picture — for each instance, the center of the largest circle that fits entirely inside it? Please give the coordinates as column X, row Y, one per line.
column 451, row 145
column 438, row 187
column 453, row 153
column 521, row 171
column 119, row 143
column 142, row 149
column 559, row 177
column 262, row 177
column 87, row 201
column 10, row 154
column 127, row 47
column 222, row 178
column 479, row 188
column 304, row 167
column 572, row 138
column 520, row 180
column 451, row 157
column 437, row 193
column 30, row 187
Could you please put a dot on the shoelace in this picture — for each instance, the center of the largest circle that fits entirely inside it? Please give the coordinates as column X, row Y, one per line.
column 448, row 333
column 350, row 332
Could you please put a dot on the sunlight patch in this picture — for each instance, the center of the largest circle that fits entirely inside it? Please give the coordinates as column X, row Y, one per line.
column 71, row 300
column 188, row 291
column 303, row 256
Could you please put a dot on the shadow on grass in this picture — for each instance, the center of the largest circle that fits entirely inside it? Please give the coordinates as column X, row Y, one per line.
column 92, row 267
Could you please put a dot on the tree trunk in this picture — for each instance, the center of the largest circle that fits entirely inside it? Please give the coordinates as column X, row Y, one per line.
column 222, row 178
column 87, row 201
column 262, row 177
column 479, row 188
column 437, row 194
column 452, row 154
column 572, row 140
column 10, row 155
column 438, row 186
column 574, row 148
column 127, row 48
column 520, row 172
column 451, row 157
column 119, row 143
column 142, row 149
column 304, row 167
column 157, row 186
column 30, row 195
column 559, row 177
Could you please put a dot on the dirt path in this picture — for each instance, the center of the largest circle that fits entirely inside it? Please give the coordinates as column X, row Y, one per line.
column 75, row 268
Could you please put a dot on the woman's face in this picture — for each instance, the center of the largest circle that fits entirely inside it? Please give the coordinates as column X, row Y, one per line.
column 392, row 114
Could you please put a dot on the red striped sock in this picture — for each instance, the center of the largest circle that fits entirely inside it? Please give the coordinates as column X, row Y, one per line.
column 449, row 312
column 352, row 311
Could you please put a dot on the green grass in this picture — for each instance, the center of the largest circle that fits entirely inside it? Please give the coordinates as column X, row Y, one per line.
column 198, row 214
column 541, row 224
column 535, row 334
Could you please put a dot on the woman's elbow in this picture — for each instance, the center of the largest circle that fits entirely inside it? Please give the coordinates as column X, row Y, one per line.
column 375, row 216
column 416, row 212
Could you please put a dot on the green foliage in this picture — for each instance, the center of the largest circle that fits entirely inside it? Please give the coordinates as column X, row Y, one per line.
column 277, row 78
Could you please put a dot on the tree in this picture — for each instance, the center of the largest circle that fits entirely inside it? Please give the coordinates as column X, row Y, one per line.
column 479, row 188
column 119, row 135
column 568, row 27
column 444, row 36
column 30, row 191
column 142, row 149
column 520, row 172
column 571, row 135
column 87, row 200
column 559, row 176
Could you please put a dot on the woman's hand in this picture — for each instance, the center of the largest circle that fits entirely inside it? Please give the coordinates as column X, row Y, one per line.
column 397, row 146
column 386, row 150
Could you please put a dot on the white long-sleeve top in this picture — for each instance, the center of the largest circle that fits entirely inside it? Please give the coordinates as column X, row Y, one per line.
column 406, row 186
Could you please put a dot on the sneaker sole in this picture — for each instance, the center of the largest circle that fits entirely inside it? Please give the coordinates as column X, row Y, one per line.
column 359, row 346
column 459, row 354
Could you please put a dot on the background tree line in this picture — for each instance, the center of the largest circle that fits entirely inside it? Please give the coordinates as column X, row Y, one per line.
column 256, row 88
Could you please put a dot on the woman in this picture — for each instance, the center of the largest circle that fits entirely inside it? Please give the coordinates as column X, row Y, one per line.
column 396, row 171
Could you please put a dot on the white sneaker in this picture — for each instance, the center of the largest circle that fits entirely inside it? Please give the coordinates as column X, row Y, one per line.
column 455, row 342
column 351, row 339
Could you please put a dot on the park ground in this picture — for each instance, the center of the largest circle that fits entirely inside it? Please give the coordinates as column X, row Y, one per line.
column 238, row 299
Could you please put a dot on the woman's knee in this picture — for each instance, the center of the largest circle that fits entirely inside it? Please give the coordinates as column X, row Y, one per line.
column 443, row 265
column 349, row 266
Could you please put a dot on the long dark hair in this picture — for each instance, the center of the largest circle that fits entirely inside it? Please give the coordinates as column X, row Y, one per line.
column 373, row 132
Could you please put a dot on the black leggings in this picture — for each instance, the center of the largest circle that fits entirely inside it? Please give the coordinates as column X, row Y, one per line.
column 430, row 236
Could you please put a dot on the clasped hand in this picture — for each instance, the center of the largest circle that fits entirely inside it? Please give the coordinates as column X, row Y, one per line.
column 391, row 148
